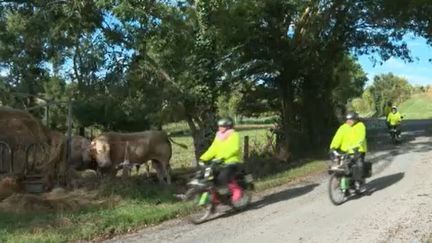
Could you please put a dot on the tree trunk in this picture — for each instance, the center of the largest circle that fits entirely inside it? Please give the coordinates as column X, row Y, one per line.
column 283, row 139
column 202, row 131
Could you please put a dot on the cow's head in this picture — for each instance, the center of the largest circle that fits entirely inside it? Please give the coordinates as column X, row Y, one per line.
column 100, row 151
column 85, row 160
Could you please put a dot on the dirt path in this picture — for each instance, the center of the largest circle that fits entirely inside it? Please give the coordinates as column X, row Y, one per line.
column 395, row 209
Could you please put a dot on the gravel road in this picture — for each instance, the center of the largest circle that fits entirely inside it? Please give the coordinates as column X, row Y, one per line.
column 396, row 207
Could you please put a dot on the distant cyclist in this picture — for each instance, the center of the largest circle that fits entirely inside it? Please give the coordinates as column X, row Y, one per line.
column 394, row 119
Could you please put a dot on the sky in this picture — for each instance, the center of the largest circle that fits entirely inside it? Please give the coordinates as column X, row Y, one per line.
column 418, row 72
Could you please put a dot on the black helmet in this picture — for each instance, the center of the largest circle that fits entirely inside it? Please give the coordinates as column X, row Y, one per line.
column 389, row 103
column 225, row 122
column 351, row 116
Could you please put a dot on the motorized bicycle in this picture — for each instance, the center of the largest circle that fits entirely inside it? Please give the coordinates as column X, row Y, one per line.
column 345, row 177
column 395, row 135
column 207, row 195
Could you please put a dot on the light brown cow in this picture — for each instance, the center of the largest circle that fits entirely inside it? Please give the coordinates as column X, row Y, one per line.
column 80, row 158
column 111, row 150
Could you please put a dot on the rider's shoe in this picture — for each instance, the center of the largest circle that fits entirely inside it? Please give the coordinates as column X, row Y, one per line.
column 360, row 186
column 363, row 188
column 243, row 201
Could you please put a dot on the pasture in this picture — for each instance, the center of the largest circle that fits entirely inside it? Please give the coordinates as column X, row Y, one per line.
column 417, row 107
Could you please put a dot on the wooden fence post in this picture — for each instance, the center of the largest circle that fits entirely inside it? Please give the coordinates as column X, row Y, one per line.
column 246, row 148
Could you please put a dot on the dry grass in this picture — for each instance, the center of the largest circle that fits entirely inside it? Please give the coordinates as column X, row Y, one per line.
column 58, row 200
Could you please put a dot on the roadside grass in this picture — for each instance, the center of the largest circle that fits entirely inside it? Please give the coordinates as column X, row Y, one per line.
column 135, row 204
column 417, row 107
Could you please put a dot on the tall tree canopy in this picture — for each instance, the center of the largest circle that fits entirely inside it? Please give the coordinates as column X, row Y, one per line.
column 131, row 64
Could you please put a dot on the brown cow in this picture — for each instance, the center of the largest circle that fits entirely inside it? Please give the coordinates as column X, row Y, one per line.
column 111, row 151
column 80, row 158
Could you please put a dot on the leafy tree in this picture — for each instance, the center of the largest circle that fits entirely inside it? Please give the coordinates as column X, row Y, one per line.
column 128, row 64
column 351, row 80
column 365, row 104
column 388, row 87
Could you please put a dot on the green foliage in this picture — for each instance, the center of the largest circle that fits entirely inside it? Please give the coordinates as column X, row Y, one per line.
column 145, row 60
column 107, row 111
column 388, row 87
column 350, row 78
column 385, row 88
column 365, row 105
column 228, row 104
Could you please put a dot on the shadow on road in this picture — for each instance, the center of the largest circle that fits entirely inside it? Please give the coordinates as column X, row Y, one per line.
column 378, row 184
column 270, row 199
column 282, row 196
column 383, row 182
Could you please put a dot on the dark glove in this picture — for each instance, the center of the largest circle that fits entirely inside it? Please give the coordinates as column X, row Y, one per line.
column 357, row 153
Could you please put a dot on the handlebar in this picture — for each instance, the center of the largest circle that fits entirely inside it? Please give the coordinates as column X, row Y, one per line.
column 335, row 153
column 213, row 161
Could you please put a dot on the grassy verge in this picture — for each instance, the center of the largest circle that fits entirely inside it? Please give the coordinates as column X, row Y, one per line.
column 417, row 107
column 139, row 205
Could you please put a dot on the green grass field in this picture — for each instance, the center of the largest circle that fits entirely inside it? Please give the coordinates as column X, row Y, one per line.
column 417, row 107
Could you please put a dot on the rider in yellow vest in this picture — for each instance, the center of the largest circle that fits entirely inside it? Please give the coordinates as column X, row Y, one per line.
column 387, row 110
column 226, row 147
column 394, row 119
column 351, row 138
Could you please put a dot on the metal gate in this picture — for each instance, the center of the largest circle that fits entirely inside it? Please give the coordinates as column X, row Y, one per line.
column 36, row 156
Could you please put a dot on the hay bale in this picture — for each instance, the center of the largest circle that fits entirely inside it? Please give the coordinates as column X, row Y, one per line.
column 20, row 130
